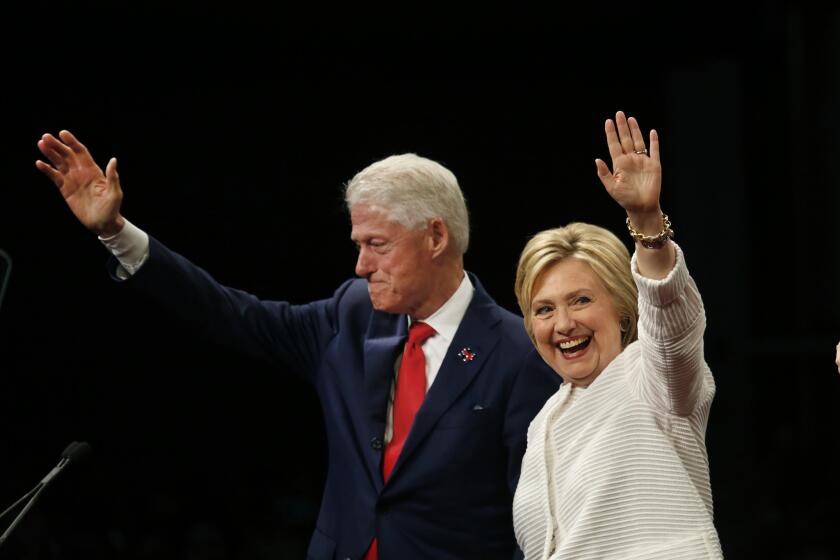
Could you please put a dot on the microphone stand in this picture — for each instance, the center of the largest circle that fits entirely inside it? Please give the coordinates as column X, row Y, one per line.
column 21, row 499
column 74, row 451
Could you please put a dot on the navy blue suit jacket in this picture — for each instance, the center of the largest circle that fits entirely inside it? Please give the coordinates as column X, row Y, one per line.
column 450, row 493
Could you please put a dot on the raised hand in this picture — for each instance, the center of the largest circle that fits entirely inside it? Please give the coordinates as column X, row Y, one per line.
column 635, row 183
column 636, row 178
column 94, row 197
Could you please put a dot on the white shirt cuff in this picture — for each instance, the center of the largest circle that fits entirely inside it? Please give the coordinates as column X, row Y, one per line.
column 130, row 247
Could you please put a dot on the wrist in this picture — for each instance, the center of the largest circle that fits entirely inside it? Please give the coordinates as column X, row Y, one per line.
column 646, row 222
column 111, row 228
column 663, row 232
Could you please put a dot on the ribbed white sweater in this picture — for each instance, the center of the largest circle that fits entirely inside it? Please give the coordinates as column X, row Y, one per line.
column 619, row 470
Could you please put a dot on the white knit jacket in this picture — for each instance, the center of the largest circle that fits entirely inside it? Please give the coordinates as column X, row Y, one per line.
column 619, row 470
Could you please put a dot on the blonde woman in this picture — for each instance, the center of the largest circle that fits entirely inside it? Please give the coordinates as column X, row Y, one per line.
column 616, row 463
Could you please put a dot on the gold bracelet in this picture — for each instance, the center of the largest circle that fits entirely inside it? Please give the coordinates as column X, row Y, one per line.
column 653, row 241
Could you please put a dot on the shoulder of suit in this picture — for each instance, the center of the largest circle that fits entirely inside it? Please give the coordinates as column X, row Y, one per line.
column 352, row 297
column 513, row 326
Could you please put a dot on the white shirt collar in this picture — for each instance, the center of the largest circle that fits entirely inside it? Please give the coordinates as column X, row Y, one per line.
column 448, row 317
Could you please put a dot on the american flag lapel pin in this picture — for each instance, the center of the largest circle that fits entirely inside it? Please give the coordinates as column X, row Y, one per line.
column 466, row 355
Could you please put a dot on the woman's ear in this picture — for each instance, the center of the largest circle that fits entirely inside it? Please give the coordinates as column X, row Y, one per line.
column 624, row 324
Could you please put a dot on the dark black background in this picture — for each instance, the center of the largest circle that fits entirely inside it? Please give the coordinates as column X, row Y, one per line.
column 235, row 129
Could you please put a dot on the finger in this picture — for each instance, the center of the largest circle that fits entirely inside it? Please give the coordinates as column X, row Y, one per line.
column 42, row 147
column 604, row 174
column 55, row 144
column 636, row 134
column 53, row 175
column 72, row 142
column 654, row 145
column 624, row 133
column 612, row 140
column 57, row 159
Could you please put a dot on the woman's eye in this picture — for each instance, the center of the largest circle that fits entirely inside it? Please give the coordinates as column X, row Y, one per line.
column 582, row 300
column 542, row 310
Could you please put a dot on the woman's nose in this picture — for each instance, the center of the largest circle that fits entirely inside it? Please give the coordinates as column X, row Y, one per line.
column 563, row 322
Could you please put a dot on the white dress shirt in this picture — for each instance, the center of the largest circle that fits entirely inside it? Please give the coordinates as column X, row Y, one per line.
column 445, row 321
column 131, row 248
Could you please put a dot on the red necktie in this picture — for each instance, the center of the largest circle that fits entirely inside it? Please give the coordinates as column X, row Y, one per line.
column 408, row 396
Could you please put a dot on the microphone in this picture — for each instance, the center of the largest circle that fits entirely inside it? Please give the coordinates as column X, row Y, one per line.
column 75, row 453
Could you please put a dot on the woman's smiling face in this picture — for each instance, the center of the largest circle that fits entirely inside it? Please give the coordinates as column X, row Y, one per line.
column 574, row 321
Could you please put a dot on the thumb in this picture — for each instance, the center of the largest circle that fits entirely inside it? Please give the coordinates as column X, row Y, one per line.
column 604, row 173
column 111, row 174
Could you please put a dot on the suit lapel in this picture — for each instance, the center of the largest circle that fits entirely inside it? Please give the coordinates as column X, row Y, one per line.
column 383, row 343
column 478, row 331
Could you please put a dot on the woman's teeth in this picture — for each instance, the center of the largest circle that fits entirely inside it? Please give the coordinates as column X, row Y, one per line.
column 574, row 344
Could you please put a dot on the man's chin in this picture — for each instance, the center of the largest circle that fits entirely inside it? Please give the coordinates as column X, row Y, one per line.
column 385, row 305
column 379, row 303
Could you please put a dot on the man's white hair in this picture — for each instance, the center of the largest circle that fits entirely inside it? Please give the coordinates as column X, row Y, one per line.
column 411, row 190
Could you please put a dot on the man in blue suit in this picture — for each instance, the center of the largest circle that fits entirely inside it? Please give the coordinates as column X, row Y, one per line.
column 421, row 465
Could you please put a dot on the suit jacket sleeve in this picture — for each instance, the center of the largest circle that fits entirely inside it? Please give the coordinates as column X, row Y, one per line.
column 272, row 331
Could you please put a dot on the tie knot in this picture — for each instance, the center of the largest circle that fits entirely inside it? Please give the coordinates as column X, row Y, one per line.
column 418, row 332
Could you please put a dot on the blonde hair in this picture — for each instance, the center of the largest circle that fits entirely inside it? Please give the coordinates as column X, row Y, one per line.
column 597, row 247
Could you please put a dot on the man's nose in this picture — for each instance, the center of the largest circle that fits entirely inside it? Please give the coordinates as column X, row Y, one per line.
column 364, row 263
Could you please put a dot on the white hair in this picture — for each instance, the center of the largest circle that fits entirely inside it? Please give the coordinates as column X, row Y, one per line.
column 411, row 190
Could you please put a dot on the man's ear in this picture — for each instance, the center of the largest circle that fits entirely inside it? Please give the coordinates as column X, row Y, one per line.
column 438, row 236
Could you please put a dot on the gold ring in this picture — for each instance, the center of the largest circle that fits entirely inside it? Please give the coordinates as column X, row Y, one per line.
column 640, row 152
